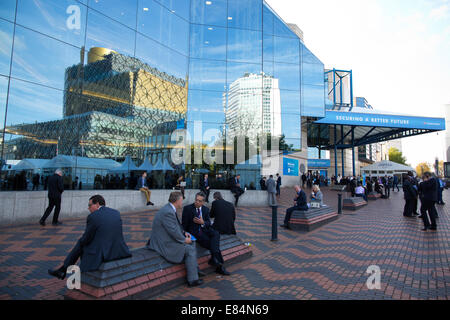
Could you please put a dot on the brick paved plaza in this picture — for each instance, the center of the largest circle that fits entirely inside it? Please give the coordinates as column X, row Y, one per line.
column 327, row 263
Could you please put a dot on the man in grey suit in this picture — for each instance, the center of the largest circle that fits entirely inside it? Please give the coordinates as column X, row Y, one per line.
column 171, row 242
column 272, row 191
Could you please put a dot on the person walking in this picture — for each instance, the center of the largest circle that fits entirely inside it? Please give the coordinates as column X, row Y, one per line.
column 272, row 191
column 428, row 198
column 278, row 185
column 55, row 190
column 395, row 184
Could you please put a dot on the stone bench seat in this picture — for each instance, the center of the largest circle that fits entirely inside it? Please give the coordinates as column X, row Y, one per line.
column 354, row 203
column 147, row 274
column 373, row 196
column 312, row 219
column 338, row 187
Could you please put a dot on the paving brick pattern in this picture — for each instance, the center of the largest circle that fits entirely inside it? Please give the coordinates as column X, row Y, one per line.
column 327, row 263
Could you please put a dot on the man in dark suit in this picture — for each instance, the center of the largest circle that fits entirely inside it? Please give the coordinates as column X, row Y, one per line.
column 410, row 196
column 205, row 187
column 300, row 204
column 278, row 184
column 196, row 221
column 224, row 215
column 102, row 240
column 427, row 190
column 235, row 188
column 55, row 190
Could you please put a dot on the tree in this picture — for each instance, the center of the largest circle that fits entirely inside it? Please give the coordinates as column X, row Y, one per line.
column 422, row 168
column 396, row 155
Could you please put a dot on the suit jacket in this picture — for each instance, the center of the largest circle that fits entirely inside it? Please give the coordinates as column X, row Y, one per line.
column 234, row 184
column 271, row 186
column 189, row 213
column 141, row 183
column 408, row 190
column 301, row 201
column 167, row 236
column 55, row 186
column 102, row 240
column 279, row 181
column 429, row 190
column 203, row 185
column 224, row 216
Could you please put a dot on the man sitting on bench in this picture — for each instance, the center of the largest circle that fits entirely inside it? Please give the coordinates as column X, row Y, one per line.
column 300, row 204
column 102, row 240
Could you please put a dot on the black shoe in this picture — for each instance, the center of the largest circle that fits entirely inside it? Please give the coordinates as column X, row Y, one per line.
column 432, row 228
column 195, row 283
column 285, row 226
column 213, row 262
column 58, row 273
column 42, row 223
column 201, row 273
column 221, row 270
column 416, row 214
column 150, row 203
column 425, row 229
column 56, row 223
column 420, row 216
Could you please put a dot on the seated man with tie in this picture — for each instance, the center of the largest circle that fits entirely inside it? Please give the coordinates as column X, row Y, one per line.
column 142, row 186
column 300, row 204
column 235, row 188
column 197, row 222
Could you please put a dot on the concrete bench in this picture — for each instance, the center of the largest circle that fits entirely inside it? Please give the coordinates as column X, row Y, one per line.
column 147, row 274
column 338, row 187
column 373, row 196
column 312, row 219
column 354, row 204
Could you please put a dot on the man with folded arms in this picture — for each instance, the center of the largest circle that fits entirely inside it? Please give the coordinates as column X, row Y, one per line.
column 171, row 242
column 102, row 240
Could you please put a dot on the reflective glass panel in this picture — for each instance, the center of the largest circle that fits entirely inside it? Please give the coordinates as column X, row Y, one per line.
column 289, row 76
column 212, row 12
column 8, row 9
column 244, row 46
column 313, row 74
column 207, row 75
column 198, row 132
column 294, row 145
column 268, row 18
column 162, row 25
column 308, row 56
column 268, row 48
column 119, row 10
column 286, row 50
column 268, row 68
column 313, row 101
column 41, row 59
column 3, row 92
column 290, row 101
column 237, row 71
column 6, row 34
column 179, row 7
column 282, row 30
column 206, row 106
column 245, row 14
column 62, row 19
column 291, row 126
column 208, row 42
column 107, row 33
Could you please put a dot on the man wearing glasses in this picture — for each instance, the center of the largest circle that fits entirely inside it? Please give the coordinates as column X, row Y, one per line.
column 102, row 240
column 197, row 222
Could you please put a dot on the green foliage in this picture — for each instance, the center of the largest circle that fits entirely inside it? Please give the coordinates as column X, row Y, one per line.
column 396, row 155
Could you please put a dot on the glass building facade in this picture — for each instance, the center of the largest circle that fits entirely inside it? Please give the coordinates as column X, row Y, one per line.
column 110, row 79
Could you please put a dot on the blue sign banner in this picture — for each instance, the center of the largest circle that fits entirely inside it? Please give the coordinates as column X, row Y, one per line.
column 319, row 163
column 382, row 120
column 290, row 167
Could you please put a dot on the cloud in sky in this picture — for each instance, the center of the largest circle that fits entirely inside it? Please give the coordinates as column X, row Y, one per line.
column 398, row 51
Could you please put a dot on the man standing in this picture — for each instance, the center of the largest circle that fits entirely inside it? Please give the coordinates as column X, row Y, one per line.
column 102, row 240
column 197, row 222
column 272, row 191
column 300, row 204
column 224, row 215
column 440, row 190
column 278, row 184
column 55, row 190
column 303, row 180
column 36, row 179
column 204, row 186
column 410, row 196
column 428, row 197
column 171, row 242
column 142, row 186
column 395, row 184
column 236, row 188
column 263, row 184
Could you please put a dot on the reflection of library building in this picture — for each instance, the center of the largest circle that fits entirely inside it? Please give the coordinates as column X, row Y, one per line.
column 121, row 83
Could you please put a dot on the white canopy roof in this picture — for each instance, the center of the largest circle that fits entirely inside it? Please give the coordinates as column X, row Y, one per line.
column 146, row 165
column 63, row 161
column 127, row 165
column 30, row 164
column 386, row 165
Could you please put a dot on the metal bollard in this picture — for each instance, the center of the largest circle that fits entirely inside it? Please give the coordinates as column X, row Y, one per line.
column 274, row 224
column 339, row 203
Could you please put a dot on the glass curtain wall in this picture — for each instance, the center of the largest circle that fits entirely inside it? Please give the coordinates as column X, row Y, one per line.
column 85, row 80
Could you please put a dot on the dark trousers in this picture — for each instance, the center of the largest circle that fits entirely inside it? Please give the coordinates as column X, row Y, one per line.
column 210, row 239
column 73, row 256
column 278, row 190
column 409, row 207
column 289, row 213
column 428, row 212
column 52, row 203
column 387, row 192
column 440, row 195
column 415, row 205
column 206, row 192
column 237, row 193
column 395, row 185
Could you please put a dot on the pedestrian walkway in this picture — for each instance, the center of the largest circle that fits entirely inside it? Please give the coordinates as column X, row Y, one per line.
column 328, row 263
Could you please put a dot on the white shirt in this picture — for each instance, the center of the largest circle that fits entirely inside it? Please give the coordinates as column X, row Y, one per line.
column 359, row 190
column 173, row 207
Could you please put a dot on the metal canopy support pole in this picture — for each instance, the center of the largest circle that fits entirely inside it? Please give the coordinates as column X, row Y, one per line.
column 342, row 137
column 334, row 87
column 353, row 151
column 351, row 89
column 335, row 154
